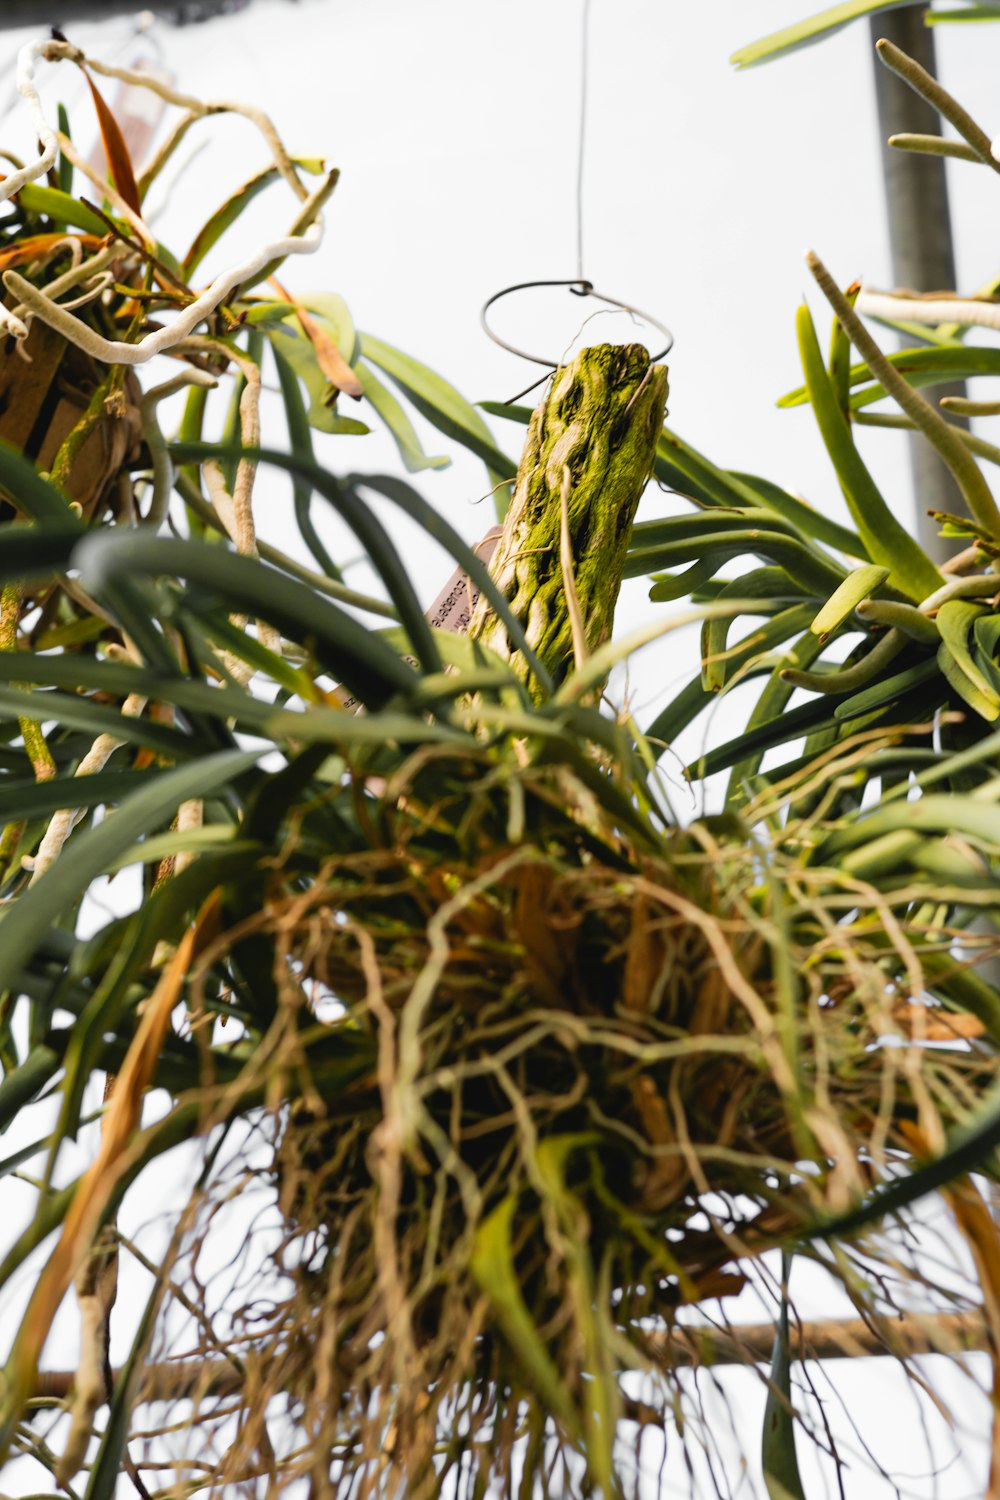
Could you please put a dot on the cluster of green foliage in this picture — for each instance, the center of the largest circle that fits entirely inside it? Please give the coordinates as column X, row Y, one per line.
column 147, row 674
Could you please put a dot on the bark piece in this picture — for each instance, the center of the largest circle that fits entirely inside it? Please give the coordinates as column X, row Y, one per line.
column 601, row 420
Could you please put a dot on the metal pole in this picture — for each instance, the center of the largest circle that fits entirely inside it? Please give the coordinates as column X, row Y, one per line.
column 920, row 239
column 923, row 258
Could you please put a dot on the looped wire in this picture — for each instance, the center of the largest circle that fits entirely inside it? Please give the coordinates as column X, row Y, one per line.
column 579, row 284
column 580, row 287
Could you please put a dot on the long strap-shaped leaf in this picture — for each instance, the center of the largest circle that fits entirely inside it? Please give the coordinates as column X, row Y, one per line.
column 376, row 541
column 921, row 367
column 939, row 433
column 441, row 404
column 778, row 1456
column 34, row 496
column 414, row 505
column 886, row 540
column 82, row 862
column 967, row 1148
column 798, row 560
column 814, row 29
column 346, row 649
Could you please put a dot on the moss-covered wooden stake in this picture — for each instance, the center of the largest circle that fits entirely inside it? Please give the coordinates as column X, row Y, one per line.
column 601, row 420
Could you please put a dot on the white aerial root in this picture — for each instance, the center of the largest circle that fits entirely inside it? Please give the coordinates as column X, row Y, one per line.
column 79, row 272
column 892, row 308
column 242, row 532
column 70, row 244
column 245, row 542
column 16, row 321
column 115, row 352
column 46, row 135
column 190, row 815
column 163, row 468
column 303, row 237
column 196, row 109
column 222, row 500
column 235, row 510
column 62, row 823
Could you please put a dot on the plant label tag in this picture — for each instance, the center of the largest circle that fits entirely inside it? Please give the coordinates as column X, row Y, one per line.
column 454, row 606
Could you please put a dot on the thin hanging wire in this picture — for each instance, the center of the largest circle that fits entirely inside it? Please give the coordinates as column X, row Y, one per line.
column 579, row 286
column 581, row 150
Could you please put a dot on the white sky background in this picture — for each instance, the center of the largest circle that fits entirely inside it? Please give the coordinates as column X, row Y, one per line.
column 455, row 127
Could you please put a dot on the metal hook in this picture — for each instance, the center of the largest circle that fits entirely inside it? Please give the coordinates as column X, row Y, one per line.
column 579, row 287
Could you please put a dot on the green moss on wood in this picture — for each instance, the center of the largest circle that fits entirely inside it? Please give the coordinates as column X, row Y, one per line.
column 601, row 419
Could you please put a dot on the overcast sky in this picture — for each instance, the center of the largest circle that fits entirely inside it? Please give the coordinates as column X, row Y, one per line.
column 455, row 127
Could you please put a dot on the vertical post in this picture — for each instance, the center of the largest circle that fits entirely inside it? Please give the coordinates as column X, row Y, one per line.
column 920, row 239
column 923, row 257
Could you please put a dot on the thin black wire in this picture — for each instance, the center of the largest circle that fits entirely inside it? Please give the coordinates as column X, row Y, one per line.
column 580, row 285
column 581, row 149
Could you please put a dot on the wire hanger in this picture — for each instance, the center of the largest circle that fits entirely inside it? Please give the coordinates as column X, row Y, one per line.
column 579, row 285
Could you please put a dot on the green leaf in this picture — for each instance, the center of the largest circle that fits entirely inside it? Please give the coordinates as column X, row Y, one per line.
column 81, row 713
column 38, row 799
column 719, row 665
column 86, row 858
column 922, row 367
column 291, row 344
column 225, row 215
column 886, row 540
column 816, row 28
column 967, row 1148
column 757, row 738
column 805, row 519
column 26, row 1082
column 198, row 700
column 599, row 664
column 31, row 552
column 985, row 704
column 119, row 975
column 64, row 167
column 61, row 208
column 160, row 846
column 381, row 551
column 300, row 441
column 334, row 312
column 440, row 403
column 34, row 496
column 702, row 523
column 844, row 600
column 814, row 569
column 934, row 812
column 956, row 620
column 670, row 586
column 266, row 310
column 403, row 432
column 520, row 414
column 698, row 477
column 219, row 631
column 840, row 354
column 778, row 1457
column 756, row 646
column 972, row 13
column 492, row 1264
column 888, row 690
column 350, row 652
column 414, row 505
